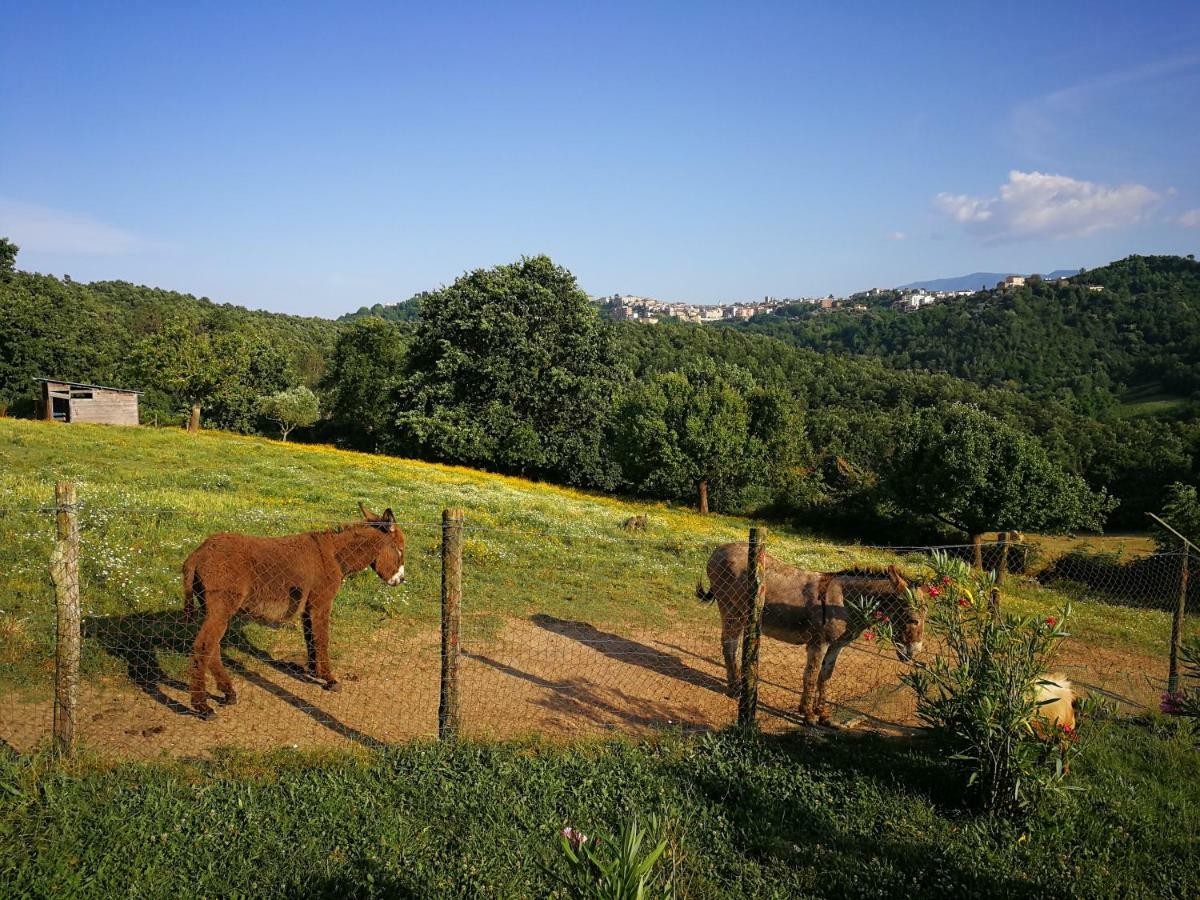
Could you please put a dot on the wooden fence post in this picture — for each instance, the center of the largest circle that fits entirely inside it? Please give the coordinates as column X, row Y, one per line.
column 756, row 571
column 1177, row 624
column 452, row 545
column 64, row 573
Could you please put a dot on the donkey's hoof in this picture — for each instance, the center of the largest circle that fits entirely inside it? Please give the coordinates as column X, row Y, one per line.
column 203, row 710
column 333, row 685
column 810, row 719
column 824, row 720
column 230, row 698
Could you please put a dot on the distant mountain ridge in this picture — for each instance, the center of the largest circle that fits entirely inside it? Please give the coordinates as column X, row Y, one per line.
column 975, row 280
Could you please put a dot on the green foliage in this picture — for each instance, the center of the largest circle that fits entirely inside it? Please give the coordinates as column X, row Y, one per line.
column 223, row 370
column 977, row 474
column 1144, row 326
column 8, row 257
column 1185, row 701
column 981, row 692
column 84, row 332
column 367, row 366
column 405, row 311
column 293, row 408
column 512, row 369
column 1182, row 512
column 614, row 869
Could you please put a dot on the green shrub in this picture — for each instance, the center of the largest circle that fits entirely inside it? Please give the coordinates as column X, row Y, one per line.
column 980, row 692
column 620, row 869
column 1185, row 701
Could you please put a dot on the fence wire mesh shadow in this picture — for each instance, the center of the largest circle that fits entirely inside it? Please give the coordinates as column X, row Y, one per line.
column 563, row 633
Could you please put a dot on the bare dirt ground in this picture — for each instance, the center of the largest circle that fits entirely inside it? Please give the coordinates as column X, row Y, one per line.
column 551, row 677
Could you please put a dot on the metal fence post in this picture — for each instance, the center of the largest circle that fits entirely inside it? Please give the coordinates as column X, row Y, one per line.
column 64, row 573
column 452, row 544
column 756, row 571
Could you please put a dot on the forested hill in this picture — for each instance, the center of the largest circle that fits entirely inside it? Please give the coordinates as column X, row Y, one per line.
column 51, row 327
column 1085, row 346
column 511, row 369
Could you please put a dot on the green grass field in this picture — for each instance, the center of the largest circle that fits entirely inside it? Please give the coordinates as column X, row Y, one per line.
column 1148, row 400
column 789, row 817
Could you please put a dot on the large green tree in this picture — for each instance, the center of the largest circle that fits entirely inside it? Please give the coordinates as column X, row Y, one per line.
column 511, row 368
column 977, row 474
column 367, row 365
column 192, row 364
column 708, row 429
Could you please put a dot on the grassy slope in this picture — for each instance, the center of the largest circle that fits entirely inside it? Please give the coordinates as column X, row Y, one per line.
column 776, row 818
column 151, row 495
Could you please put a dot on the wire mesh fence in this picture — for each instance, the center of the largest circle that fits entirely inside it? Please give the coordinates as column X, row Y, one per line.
column 302, row 633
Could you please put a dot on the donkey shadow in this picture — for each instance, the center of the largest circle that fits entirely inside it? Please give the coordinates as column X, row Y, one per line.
column 627, row 650
column 142, row 640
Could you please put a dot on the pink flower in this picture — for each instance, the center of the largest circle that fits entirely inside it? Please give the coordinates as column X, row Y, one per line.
column 934, row 592
column 574, row 837
column 946, row 580
column 869, row 635
column 1051, row 621
column 1171, row 703
column 963, row 601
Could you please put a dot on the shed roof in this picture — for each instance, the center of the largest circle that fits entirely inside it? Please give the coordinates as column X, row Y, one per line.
column 102, row 387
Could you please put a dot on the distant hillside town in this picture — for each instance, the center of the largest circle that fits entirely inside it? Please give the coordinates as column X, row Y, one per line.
column 633, row 308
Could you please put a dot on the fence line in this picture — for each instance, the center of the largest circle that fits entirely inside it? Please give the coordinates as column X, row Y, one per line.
column 560, row 637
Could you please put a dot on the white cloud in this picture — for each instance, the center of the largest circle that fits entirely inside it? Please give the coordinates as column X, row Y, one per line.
column 40, row 229
column 897, row 236
column 1189, row 219
column 1038, row 205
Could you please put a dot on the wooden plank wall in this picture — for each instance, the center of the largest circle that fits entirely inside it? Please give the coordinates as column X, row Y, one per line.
column 106, row 408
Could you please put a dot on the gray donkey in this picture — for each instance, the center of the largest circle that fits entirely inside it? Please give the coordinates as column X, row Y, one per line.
column 809, row 608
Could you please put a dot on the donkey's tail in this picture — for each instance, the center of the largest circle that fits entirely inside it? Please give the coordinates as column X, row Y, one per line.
column 189, row 587
column 704, row 596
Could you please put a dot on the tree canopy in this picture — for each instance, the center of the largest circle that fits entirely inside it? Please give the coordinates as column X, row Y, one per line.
column 510, row 368
column 976, row 474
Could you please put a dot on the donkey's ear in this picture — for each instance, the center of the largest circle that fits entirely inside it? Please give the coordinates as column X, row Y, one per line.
column 897, row 578
column 365, row 514
column 388, row 515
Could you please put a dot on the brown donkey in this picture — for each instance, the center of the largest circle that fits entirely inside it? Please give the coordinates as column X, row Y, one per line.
column 273, row 578
column 811, row 608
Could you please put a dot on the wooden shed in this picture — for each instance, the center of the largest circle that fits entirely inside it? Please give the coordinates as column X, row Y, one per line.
column 70, row 401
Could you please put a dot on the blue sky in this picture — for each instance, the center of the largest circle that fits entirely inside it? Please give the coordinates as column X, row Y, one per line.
column 313, row 158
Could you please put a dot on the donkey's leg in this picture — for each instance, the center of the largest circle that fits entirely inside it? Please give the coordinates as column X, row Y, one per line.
column 320, row 626
column 815, row 657
column 827, row 667
column 731, row 638
column 215, row 621
column 224, row 682
column 310, row 644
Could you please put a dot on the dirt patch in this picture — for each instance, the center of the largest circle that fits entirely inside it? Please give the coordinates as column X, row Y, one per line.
column 553, row 677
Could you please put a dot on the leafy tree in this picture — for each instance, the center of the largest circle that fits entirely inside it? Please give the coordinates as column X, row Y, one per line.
column 367, row 365
column 8, row 257
column 684, row 431
column 191, row 364
column 292, row 408
column 976, row 474
column 512, row 369
column 1182, row 512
